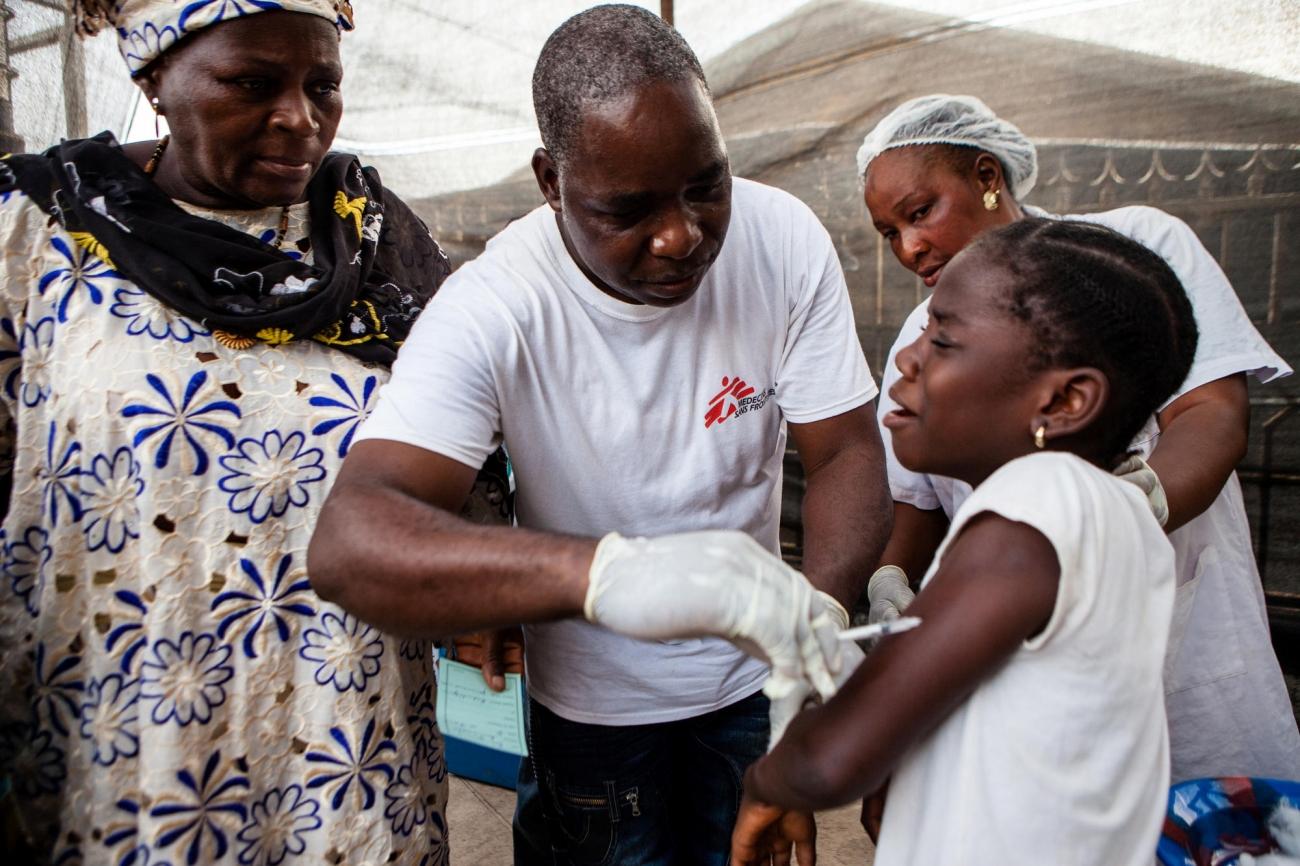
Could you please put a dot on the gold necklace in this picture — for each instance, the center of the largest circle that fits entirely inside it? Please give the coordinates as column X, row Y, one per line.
column 152, row 166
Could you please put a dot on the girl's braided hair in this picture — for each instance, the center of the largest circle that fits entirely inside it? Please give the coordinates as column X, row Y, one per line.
column 1094, row 298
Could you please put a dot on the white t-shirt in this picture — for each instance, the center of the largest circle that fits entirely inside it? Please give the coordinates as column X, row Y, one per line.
column 1062, row 756
column 1228, row 706
column 636, row 419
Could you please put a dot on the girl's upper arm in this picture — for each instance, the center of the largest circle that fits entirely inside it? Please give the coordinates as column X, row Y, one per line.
column 996, row 587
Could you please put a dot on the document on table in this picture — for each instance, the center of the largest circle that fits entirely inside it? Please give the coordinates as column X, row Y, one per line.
column 468, row 710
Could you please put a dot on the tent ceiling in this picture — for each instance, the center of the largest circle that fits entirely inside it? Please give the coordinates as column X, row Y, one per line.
column 438, row 94
column 796, row 98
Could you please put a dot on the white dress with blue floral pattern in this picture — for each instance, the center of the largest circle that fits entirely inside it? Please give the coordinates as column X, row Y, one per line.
column 173, row 690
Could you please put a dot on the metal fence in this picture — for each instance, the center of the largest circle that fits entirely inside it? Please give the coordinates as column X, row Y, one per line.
column 1243, row 202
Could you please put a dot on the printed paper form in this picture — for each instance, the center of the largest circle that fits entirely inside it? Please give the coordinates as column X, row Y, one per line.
column 468, row 710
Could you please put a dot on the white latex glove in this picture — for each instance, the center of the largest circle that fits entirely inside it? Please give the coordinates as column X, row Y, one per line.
column 1135, row 470
column 888, row 594
column 788, row 696
column 835, row 609
column 720, row 583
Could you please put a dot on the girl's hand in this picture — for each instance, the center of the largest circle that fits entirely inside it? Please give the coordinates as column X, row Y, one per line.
column 764, row 835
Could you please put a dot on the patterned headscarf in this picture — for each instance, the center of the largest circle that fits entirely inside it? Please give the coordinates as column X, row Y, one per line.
column 147, row 28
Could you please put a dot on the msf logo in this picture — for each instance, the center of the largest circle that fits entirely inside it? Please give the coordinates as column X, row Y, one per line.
column 736, row 398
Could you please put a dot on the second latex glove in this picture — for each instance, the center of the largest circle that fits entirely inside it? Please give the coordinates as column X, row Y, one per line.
column 1135, row 470
column 719, row 583
column 888, row 594
column 788, row 696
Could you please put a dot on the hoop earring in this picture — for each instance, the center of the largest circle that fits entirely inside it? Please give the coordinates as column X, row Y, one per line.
column 991, row 199
column 1040, row 437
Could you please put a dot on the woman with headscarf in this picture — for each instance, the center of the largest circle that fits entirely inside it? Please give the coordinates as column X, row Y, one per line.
column 192, row 331
column 938, row 171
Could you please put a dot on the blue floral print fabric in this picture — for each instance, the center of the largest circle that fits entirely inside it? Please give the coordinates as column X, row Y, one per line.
column 175, row 693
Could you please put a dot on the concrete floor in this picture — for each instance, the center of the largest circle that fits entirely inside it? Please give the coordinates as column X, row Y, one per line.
column 478, row 817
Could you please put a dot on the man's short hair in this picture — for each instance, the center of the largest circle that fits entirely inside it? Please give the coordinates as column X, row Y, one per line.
column 597, row 56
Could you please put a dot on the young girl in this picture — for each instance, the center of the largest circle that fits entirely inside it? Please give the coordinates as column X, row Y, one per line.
column 1023, row 721
column 936, row 172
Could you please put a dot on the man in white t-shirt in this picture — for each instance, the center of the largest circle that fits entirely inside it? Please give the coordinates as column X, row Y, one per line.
column 640, row 344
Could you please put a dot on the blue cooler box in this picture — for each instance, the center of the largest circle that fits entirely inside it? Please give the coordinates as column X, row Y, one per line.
column 481, row 763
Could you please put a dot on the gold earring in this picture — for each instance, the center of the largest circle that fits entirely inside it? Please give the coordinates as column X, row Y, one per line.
column 1040, row 437
column 991, row 199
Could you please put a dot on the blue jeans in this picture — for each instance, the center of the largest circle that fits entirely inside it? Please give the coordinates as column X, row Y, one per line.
column 639, row 795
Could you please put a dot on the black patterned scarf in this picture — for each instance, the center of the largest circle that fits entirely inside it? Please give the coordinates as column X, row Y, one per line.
column 374, row 264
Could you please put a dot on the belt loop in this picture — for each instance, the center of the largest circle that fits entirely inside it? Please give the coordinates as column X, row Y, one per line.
column 614, row 817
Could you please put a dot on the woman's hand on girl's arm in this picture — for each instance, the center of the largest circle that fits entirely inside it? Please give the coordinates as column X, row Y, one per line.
column 996, row 587
column 1203, row 436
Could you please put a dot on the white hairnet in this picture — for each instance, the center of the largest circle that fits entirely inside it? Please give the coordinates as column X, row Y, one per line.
column 960, row 120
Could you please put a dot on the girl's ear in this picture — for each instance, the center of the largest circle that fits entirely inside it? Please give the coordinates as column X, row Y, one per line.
column 1072, row 403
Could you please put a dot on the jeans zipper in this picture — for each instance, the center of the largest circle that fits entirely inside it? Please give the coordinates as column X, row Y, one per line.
column 632, row 797
column 584, row 801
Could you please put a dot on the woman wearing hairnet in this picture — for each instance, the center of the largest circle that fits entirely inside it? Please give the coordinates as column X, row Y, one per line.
column 939, row 170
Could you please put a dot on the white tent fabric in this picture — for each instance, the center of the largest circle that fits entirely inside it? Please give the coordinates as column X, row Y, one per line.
column 40, row 115
column 438, row 95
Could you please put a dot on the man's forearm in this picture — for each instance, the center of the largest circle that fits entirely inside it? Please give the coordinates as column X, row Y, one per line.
column 415, row 569
column 847, row 515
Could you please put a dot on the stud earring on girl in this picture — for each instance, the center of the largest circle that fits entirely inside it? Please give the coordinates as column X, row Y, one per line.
column 991, row 199
column 1040, row 437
